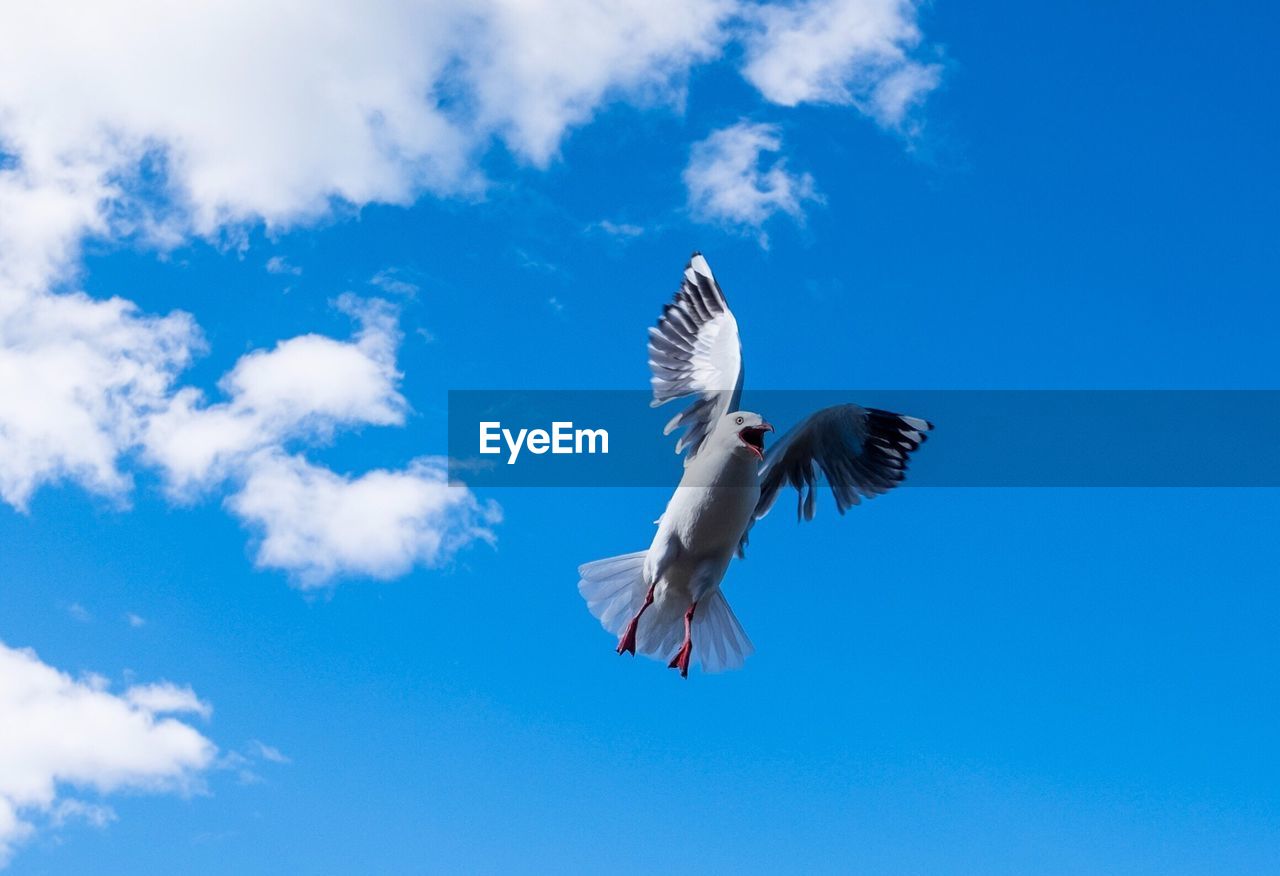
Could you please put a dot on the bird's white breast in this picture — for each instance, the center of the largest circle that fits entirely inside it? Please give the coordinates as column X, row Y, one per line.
column 713, row 504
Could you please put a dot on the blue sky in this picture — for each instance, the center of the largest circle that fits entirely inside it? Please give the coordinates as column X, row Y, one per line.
column 945, row 681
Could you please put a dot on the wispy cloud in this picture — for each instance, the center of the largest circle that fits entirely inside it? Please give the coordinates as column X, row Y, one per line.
column 623, row 230
column 268, row 752
column 239, row 764
column 394, row 282
column 164, row 697
column 245, row 764
column 280, row 265
column 731, row 182
column 532, row 262
column 70, row 809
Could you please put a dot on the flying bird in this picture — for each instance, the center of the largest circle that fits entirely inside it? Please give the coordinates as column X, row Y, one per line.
column 666, row 601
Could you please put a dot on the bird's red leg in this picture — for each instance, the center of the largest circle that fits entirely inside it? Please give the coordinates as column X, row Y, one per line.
column 627, row 641
column 681, row 660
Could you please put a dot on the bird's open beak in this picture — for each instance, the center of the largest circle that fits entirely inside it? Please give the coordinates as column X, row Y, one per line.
column 753, row 437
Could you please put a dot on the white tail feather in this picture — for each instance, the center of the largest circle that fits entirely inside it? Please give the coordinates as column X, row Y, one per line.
column 615, row 588
column 719, row 642
column 661, row 630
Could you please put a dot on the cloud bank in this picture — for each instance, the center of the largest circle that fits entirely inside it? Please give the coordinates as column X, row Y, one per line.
column 141, row 117
column 159, row 122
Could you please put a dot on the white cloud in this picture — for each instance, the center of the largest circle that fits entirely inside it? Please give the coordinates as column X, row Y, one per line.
column 241, row 765
column 392, row 281
column 79, row 612
column 166, row 697
column 318, row 525
column 728, row 180
column 268, row 752
column 252, row 110
column 58, row 733
column 313, row 523
column 306, row 385
column 538, row 69
column 281, row 265
column 317, row 376
column 46, row 207
column 618, row 229
column 78, row 379
column 245, row 763
column 852, row 52
column 68, row 810
column 91, row 382
column 134, row 620
column 268, row 111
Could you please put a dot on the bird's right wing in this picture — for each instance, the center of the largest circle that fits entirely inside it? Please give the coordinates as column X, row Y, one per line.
column 860, row 451
column 694, row 351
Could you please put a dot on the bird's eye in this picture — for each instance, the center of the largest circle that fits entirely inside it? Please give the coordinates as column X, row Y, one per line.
column 740, row 421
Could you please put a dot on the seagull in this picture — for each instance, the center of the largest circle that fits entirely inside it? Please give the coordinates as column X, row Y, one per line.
column 667, row 600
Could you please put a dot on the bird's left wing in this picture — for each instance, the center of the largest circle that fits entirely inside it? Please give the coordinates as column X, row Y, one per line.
column 860, row 451
column 694, row 351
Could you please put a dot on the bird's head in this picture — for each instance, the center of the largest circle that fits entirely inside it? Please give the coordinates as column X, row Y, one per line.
column 744, row 432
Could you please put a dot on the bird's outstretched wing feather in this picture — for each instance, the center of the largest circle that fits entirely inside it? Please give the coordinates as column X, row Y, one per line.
column 860, row 451
column 694, row 351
